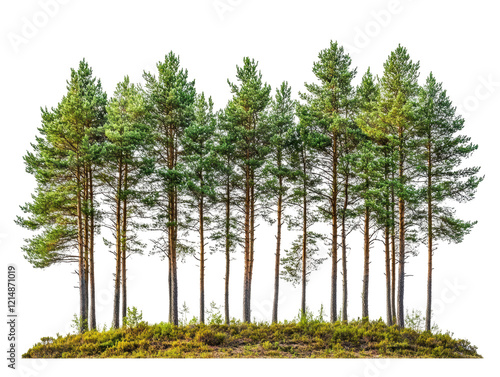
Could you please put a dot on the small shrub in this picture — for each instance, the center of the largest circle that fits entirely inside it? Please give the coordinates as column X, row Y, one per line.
column 76, row 323
column 214, row 314
column 209, row 337
column 133, row 318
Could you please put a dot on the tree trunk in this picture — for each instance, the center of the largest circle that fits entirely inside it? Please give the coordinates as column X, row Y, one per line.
column 246, row 315
column 124, row 247
column 393, row 252
column 252, row 245
column 81, row 269
column 92, row 315
column 86, row 239
column 228, row 255
column 333, row 299
column 202, row 264
column 116, row 304
column 278, row 250
column 387, row 245
column 170, row 305
column 173, row 259
column 366, row 270
column 304, row 244
column 428, row 315
column 401, row 282
column 388, row 275
column 344, row 253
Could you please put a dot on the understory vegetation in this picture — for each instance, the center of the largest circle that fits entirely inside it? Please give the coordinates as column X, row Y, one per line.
column 305, row 337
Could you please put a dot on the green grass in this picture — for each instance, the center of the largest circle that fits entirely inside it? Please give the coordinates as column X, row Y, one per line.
column 298, row 339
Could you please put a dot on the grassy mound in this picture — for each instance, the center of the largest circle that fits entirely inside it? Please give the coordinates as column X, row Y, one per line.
column 304, row 339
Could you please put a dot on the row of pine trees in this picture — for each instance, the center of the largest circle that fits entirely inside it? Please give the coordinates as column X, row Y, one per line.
column 157, row 160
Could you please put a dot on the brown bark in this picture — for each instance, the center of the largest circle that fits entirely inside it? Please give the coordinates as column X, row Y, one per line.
column 86, row 238
column 429, row 241
column 228, row 256
column 366, row 270
column 304, row 243
column 173, row 261
column 401, row 277
column 387, row 245
column 124, row 246
column 344, row 252
column 92, row 314
column 172, row 153
column 202, row 264
column 118, row 251
column 81, row 255
column 252, row 244
column 333, row 301
column 246, row 315
column 278, row 251
column 170, row 305
column 388, row 275
column 393, row 253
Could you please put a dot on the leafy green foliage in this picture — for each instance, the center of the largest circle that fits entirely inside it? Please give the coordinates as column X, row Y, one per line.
column 214, row 314
column 133, row 318
column 415, row 320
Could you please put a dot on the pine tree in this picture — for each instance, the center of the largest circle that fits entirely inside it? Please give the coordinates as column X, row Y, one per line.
column 245, row 113
column 170, row 98
column 278, row 170
column 227, row 221
column 442, row 153
column 302, row 258
column 348, row 221
column 331, row 105
column 373, row 167
column 200, row 160
column 123, row 166
column 63, row 163
column 395, row 111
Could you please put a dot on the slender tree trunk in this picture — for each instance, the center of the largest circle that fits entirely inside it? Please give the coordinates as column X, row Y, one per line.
column 333, row 301
column 173, row 260
column 387, row 245
column 116, row 304
column 278, row 251
column 172, row 151
column 92, row 318
column 86, row 238
column 388, row 274
column 170, row 305
column 344, row 253
column 81, row 255
column 124, row 247
column 428, row 315
column 246, row 315
column 366, row 270
column 304, row 243
column 202, row 264
column 228, row 250
column 401, row 282
column 252, row 245
column 393, row 253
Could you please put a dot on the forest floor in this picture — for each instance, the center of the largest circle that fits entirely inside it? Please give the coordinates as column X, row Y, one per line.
column 298, row 339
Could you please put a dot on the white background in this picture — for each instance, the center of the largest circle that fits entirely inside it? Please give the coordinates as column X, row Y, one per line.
column 457, row 40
